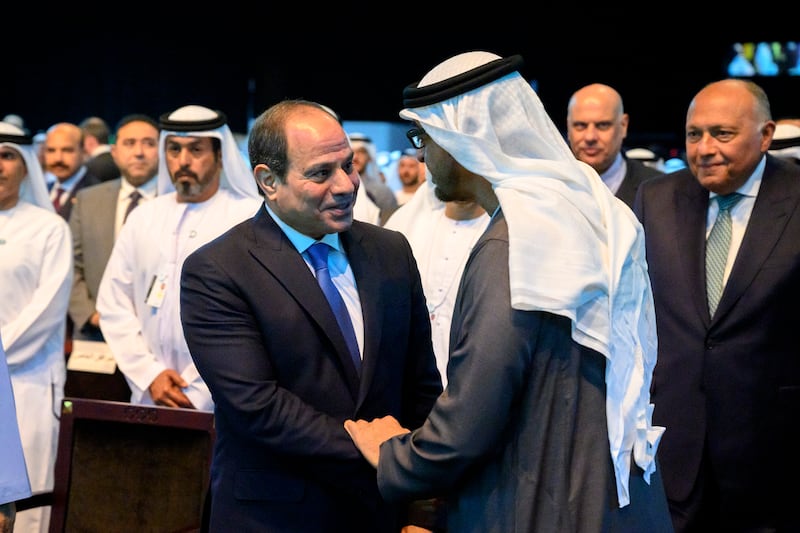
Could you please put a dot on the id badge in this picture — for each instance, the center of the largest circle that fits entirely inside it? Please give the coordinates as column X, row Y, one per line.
column 158, row 288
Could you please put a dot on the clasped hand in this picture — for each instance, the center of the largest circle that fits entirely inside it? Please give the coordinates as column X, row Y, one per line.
column 166, row 390
column 368, row 436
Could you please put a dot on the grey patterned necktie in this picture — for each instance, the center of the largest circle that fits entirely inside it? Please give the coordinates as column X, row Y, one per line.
column 717, row 246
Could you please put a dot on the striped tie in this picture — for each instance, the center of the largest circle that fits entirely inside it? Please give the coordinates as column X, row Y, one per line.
column 717, row 246
column 318, row 253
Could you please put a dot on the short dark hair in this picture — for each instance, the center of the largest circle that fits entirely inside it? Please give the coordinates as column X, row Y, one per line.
column 267, row 143
column 136, row 117
column 97, row 128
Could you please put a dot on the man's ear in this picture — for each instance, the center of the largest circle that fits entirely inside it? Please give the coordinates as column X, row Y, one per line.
column 265, row 179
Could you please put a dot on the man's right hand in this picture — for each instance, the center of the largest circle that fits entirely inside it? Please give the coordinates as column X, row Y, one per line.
column 368, row 436
column 166, row 390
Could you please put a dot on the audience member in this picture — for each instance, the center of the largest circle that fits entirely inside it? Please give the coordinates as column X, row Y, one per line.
column 64, row 158
column 442, row 233
column 35, row 276
column 97, row 150
column 14, row 484
column 794, row 121
column 597, row 125
column 727, row 377
column 283, row 376
column 97, row 217
column 411, row 173
column 647, row 156
column 786, row 142
column 39, row 141
column 16, row 120
column 528, row 436
column 204, row 188
column 365, row 161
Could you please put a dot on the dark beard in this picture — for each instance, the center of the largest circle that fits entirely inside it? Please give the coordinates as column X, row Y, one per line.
column 452, row 196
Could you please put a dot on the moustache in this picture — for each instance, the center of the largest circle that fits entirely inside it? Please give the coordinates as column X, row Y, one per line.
column 185, row 173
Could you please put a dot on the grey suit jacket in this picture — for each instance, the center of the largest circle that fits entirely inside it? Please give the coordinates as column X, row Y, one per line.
column 731, row 382
column 92, row 225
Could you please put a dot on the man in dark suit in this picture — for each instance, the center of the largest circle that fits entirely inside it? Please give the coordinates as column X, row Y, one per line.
column 97, row 217
column 727, row 382
column 265, row 340
column 96, row 147
column 65, row 159
column 597, row 125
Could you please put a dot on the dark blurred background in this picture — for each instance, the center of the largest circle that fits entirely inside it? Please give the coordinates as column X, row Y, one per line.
column 235, row 62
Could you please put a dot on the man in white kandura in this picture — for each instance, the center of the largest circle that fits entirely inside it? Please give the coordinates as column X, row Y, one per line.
column 442, row 232
column 35, row 280
column 204, row 187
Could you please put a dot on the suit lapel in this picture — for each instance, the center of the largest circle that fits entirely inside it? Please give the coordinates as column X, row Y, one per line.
column 110, row 206
column 690, row 204
column 277, row 254
column 777, row 199
column 364, row 263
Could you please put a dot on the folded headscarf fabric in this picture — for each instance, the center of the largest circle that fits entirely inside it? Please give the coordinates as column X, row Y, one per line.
column 33, row 188
column 574, row 249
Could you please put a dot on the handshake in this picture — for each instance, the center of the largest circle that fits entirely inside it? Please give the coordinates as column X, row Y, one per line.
column 368, row 436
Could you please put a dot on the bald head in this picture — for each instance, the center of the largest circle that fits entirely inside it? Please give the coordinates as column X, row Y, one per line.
column 728, row 130
column 63, row 150
column 596, row 94
column 754, row 99
column 596, row 125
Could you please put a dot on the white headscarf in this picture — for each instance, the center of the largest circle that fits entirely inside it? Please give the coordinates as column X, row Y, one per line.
column 33, row 188
column 786, row 141
column 198, row 121
column 574, row 249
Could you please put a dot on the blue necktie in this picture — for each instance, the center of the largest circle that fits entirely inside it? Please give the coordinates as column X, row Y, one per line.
column 717, row 246
column 318, row 253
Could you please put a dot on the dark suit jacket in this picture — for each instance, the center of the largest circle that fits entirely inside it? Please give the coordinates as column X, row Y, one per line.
column 103, row 166
column 266, row 342
column 636, row 172
column 731, row 382
column 66, row 206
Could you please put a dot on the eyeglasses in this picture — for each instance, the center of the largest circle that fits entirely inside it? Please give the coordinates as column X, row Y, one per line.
column 415, row 136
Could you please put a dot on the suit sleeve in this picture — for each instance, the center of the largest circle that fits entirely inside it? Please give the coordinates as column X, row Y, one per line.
column 81, row 306
column 235, row 359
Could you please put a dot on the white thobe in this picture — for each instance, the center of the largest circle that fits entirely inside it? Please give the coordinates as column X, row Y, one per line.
column 441, row 247
column 35, row 282
column 365, row 209
column 145, row 334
